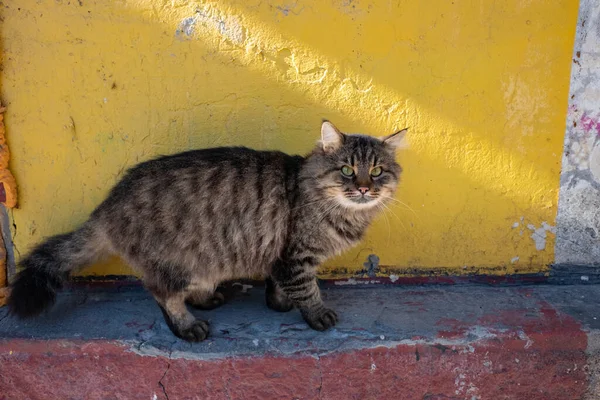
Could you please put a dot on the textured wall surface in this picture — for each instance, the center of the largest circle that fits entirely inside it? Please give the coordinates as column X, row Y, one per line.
column 93, row 87
column 578, row 221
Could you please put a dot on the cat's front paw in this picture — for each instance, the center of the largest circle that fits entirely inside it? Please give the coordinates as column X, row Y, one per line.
column 320, row 320
column 197, row 332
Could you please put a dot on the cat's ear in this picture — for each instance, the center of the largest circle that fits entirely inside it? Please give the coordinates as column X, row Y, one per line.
column 331, row 138
column 396, row 141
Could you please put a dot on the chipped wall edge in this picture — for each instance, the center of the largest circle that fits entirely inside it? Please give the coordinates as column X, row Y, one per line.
column 8, row 198
column 578, row 219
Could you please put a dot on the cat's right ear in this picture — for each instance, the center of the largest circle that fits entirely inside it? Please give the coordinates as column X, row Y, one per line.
column 331, row 138
column 396, row 141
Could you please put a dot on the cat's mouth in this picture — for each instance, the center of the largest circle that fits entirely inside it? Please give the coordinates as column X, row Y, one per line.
column 361, row 198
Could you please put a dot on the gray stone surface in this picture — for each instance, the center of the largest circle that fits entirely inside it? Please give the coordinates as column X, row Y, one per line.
column 578, row 220
column 386, row 316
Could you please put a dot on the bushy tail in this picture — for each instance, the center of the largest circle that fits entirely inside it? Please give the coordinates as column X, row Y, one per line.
column 48, row 266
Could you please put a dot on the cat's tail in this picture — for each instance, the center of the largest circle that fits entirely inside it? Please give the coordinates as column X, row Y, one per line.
column 47, row 267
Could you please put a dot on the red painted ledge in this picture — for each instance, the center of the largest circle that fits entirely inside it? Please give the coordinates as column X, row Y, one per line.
column 467, row 342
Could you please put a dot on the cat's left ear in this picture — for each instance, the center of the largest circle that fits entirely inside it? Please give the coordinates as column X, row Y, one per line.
column 331, row 138
column 396, row 141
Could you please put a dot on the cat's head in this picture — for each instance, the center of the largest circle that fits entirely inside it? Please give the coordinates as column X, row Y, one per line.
column 358, row 171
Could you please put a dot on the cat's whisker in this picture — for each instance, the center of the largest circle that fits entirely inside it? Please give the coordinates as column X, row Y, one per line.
column 394, row 214
column 320, row 206
column 396, row 200
column 387, row 221
column 406, row 206
column 399, row 202
column 310, row 204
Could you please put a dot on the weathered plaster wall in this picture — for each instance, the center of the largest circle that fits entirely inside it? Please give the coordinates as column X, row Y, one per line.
column 578, row 221
column 93, row 87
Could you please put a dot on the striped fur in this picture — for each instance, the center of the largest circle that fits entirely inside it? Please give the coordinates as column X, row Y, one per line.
column 192, row 220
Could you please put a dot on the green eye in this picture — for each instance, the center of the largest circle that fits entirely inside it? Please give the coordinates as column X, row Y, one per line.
column 347, row 170
column 376, row 171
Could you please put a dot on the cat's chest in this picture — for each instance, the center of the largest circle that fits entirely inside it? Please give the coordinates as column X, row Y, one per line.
column 340, row 234
column 327, row 234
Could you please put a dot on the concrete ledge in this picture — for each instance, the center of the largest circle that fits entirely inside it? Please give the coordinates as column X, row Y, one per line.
column 454, row 342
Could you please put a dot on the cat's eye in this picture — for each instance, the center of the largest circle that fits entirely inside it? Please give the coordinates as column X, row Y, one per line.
column 347, row 170
column 376, row 171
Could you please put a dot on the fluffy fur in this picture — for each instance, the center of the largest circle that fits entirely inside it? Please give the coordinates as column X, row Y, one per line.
column 192, row 220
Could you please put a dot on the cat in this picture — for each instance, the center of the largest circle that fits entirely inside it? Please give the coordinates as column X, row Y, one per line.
column 190, row 221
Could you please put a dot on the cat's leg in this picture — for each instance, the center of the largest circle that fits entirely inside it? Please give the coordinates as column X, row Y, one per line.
column 276, row 299
column 205, row 299
column 298, row 280
column 178, row 318
column 171, row 284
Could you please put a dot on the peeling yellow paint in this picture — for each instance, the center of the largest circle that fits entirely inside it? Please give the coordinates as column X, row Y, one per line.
column 95, row 87
column 7, row 181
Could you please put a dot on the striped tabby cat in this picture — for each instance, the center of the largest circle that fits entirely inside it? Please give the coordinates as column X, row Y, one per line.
column 192, row 220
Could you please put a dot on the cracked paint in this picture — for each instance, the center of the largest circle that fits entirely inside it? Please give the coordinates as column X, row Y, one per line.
column 540, row 234
column 372, row 265
column 186, row 27
column 228, row 27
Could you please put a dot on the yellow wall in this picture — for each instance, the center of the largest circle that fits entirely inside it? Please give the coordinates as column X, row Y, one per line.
column 94, row 86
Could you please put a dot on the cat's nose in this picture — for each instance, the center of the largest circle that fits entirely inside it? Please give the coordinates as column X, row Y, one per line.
column 363, row 189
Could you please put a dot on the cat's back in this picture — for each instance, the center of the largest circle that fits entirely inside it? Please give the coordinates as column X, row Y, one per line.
column 233, row 158
column 229, row 203
column 237, row 169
